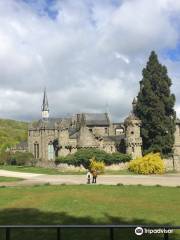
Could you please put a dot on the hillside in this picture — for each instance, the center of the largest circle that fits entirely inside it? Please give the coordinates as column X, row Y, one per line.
column 12, row 132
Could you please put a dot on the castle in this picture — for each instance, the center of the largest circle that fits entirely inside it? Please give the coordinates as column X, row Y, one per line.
column 52, row 137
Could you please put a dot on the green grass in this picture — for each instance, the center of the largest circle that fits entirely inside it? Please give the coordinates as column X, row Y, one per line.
column 87, row 204
column 12, row 132
column 40, row 170
column 56, row 171
column 9, row 179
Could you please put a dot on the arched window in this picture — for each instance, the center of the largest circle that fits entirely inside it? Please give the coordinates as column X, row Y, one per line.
column 51, row 152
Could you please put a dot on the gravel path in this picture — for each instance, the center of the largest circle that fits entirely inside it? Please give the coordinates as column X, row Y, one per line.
column 33, row 179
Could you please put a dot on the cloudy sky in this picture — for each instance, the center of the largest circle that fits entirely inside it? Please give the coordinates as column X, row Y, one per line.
column 89, row 54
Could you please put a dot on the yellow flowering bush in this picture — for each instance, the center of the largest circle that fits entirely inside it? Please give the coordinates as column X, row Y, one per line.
column 96, row 165
column 149, row 164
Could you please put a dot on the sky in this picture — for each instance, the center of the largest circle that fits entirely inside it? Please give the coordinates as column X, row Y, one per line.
column 89, row 54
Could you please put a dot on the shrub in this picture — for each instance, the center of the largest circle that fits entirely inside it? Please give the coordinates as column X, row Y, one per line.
column 22, row 158
column 83, row 156
column 17, row 158
column 149, row 164
column 120, row 157
column 5, row 157
column 96, row 165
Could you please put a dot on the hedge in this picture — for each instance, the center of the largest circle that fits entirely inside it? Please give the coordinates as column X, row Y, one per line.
column 83, row 156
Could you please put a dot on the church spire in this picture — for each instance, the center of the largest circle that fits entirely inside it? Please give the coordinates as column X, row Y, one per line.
column 45, row 106
column 134, row 103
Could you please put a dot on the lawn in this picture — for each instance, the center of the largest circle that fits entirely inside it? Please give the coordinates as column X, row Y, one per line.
column 88, row 204
column 29, row 169
column 56, row 171
column 9, row 179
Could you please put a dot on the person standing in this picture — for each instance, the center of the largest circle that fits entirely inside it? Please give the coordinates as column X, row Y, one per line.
column 94, row 173
column 88, row 177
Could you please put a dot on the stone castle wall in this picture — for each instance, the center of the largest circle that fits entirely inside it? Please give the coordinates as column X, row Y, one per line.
column 66, row 167
column 172, row 164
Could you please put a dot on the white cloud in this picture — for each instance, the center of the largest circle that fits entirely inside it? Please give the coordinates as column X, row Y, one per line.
column 122, row 57
column 91, row 54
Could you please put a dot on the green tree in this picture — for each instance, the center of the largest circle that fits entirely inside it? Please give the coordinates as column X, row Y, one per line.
column 155, row 108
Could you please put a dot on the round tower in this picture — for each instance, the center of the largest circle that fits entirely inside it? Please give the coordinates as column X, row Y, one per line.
column 133, row 138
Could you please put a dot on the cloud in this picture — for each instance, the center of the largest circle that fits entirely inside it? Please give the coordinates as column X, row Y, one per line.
column 87, row 53
column 122, row 57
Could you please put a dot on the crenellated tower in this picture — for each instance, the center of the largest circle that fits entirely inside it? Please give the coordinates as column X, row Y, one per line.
column 133, row 139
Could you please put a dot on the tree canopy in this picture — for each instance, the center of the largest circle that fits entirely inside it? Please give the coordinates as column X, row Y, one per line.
column 155, row 108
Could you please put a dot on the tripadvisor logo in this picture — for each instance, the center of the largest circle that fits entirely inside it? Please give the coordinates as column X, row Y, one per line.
column 139, row 231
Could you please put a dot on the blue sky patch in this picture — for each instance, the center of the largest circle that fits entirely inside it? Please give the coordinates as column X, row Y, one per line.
column 44, row 7
column 173, row 54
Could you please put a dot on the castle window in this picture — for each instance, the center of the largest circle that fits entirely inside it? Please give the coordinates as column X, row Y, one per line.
column 36, row 150
column 132, row 132
column 106, row 130
column 50, row 151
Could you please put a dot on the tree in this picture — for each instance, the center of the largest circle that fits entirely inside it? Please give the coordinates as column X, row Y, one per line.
column 155, row 108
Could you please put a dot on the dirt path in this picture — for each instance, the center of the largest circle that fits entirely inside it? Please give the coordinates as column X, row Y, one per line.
column 33, row 179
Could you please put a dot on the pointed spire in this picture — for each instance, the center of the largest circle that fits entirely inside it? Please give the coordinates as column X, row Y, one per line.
column 45, row 106
column 134, row 103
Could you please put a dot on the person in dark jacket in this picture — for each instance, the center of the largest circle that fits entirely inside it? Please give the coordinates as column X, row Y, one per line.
column 94, row 174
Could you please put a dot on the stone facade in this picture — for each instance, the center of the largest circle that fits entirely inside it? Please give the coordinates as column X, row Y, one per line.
column 172, row 164
column 133, row 139
column 51, row 137
column 65, row 167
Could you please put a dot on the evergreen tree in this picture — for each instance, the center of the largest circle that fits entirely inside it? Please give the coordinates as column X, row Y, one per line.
column 155, row 108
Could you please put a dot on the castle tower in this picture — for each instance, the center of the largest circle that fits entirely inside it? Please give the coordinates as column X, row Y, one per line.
column 86, row 138
column 132, row 131
column 45, row 106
